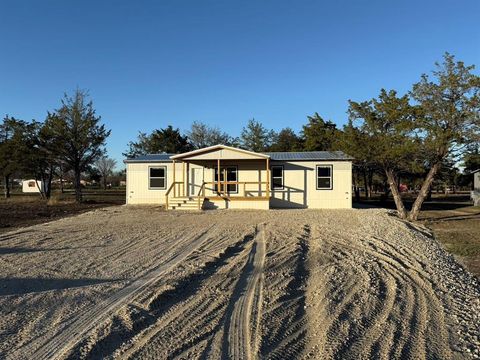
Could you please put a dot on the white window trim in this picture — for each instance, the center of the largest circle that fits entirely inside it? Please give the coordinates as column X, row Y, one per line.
column 277, row 177
column 157, row 177
column 324, row 177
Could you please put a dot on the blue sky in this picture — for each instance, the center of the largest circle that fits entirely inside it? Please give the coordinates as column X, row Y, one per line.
column 148, row 64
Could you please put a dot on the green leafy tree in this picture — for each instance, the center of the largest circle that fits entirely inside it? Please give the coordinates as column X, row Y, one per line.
column 255, row 137
column 41, row 160
column 287, row 140
column 353, row 141
column 471, row 160
column 451, row 117
column 202, row 135
column 81, row 138
column 168, row 140
column 13, row 147
column 386, row 128
column 319, row 135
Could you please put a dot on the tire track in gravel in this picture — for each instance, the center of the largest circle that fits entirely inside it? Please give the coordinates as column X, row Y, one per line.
column 190, row 313
column 284, row 321
column 60, row 343
column 374, row 301
column 244, row 313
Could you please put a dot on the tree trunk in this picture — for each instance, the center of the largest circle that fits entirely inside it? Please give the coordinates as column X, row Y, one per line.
column 356, row 190
column 6, row 186
column 429, row 195
column 61, row 181
column 402, row 212
column 417, row 205
column 78, row 186
column 41, row 189
column 370, row 182
column 48, row 185
column 365, row 184
column 104, row 183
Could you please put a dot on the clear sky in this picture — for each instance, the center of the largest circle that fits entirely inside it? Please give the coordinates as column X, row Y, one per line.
column 148, row 64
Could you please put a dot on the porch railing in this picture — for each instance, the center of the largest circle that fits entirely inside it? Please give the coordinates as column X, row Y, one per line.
column 262, row 187
column 201, row 195
column 173, row 188
column 222, row 190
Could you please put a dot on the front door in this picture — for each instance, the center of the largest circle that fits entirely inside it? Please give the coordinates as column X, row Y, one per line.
column 232, row 175
column 196, row 181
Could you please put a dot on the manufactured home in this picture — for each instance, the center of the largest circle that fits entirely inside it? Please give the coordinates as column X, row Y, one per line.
column 220, row 177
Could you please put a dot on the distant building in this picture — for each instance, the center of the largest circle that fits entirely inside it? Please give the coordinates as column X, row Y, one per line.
column 476, row 188
column 32, row 186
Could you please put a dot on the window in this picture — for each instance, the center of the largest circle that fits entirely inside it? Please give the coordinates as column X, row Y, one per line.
column 31, row 184
column 232, row 173
column 277, row 177
column 157, row 178
column 324, row 177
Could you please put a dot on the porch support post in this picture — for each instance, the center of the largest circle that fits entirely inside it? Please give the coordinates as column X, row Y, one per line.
column 225, row 193
column 174, row 187
column 187, row 184
column 268, row 178
column 183, row 178
column 218, row 176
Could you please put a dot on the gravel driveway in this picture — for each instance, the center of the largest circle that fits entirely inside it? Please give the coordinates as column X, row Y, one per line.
column 143, row 283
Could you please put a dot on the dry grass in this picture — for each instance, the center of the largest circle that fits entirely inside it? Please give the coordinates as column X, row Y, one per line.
column 23, row 210
column 459, row 231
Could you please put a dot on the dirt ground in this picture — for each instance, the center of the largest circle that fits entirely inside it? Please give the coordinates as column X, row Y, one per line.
column 137, row 282
column 21, row 210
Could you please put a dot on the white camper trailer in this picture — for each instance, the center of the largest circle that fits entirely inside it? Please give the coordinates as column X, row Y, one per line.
column 32, row 186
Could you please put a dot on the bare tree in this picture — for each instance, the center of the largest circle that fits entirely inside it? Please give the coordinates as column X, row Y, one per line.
column 105, row 166
column 202, row 135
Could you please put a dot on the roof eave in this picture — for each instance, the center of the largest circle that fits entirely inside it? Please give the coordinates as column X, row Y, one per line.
column 129, row 161
column 216, row 147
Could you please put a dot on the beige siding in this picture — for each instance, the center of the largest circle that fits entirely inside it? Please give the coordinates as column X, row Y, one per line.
column 299, row 184
column 138, row 191
column 223, row 154
column 237, row 204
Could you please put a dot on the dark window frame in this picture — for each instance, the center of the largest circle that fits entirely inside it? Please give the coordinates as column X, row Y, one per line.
column 157, row 177
column 324, row 177
column 271, row 178
column 214, row 190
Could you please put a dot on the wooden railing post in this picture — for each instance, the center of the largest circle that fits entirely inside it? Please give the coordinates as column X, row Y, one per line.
column 225, row 192
column 183, row 178
column 244, row 189
column 268, row 178
column 218, row 176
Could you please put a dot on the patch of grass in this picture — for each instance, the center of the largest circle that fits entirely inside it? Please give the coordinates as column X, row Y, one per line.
column 459, row 231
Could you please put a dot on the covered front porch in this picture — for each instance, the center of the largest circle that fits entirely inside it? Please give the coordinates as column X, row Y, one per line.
column 219, row 177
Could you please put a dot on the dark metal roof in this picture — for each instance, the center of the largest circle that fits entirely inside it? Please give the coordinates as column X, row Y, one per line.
column 274, row 156
column 150, row 158
column 308, row 155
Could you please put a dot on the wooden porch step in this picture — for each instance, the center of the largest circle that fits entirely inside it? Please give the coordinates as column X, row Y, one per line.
column 184, row 203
